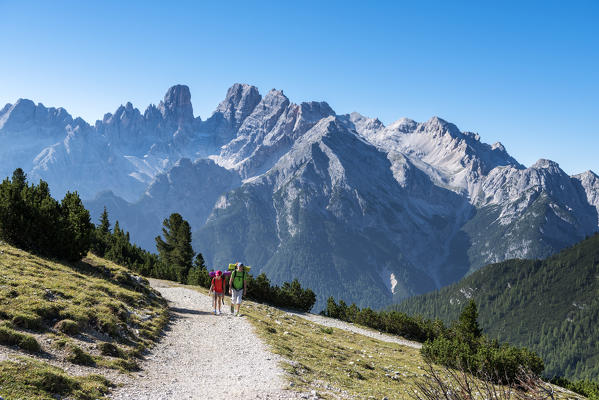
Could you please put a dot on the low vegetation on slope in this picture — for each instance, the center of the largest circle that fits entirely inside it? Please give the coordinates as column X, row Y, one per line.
column 550, row 306
column 91, row 313
column 339, row 364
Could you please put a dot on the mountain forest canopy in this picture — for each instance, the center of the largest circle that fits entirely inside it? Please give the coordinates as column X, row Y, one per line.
column 32, row 220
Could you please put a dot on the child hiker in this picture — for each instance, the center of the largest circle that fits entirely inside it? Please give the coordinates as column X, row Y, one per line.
column 217, row 287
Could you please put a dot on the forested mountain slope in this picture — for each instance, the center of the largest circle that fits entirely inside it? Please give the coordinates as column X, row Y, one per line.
column 550, row 306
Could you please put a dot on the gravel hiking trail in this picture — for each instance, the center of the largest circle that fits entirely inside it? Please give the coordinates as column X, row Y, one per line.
column 346, row 326
column 203, row 356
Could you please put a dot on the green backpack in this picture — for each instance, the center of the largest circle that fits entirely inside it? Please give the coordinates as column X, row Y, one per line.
column 234, row 280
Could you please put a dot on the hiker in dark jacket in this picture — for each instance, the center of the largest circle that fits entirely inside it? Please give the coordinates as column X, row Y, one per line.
column 237, row 287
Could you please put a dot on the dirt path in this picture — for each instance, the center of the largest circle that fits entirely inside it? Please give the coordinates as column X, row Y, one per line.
column 335, row 323
column 204, row 356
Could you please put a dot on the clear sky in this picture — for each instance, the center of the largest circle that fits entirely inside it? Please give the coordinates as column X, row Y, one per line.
column 525, row 73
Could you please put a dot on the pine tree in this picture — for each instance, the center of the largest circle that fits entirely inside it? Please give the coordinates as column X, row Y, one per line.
column 19, row 178
column 104, row 222
column 198, row 275
column 175, row 250
column 467, row 325
column 77, row 223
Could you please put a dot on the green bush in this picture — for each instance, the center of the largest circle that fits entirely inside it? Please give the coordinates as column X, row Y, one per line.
column 584, row 387
column 28, row 321
column 68, row 327
column 30, row 379
column 28, row 343
column 109, row 349
column 289, row 295
column 78, row 356
column 11, row 337
column 126, row 365
column 393, row 322
column 464, row 347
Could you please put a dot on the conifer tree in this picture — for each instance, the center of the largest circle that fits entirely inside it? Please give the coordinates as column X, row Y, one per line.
column 175, row 249
column 198, row 275
column 467, row 325
column 104, row 222
column 19, row 178
column 77, row 222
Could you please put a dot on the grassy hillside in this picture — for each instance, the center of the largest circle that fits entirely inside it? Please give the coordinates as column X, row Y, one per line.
column 550, row 306
column 92, row 315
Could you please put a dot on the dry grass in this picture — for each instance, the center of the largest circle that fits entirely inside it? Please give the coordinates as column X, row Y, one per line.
column 334, row 362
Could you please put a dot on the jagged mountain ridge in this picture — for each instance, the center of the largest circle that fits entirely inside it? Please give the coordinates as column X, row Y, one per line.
column 444, row 202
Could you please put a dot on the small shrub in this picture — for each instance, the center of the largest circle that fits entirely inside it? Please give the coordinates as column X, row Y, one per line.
column 53, row 382
column 464, row 347
column 126, row 365
column 30, row 379
column 60, row 343
column 109, row 327
column 77, row 314
column 78, row 356
column 68, row 327
column 28, row 321
column 327, row 330
column 584, row 387
column 124, row 279
column 28, row 343
column 109, row 349
column 94, row 386
column 10, row 337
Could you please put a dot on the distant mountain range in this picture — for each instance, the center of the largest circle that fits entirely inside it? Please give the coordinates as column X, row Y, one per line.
column 354, row 209
column 550, row 306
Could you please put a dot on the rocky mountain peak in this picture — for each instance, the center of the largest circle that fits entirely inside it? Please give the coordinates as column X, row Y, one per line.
column 543, row 163
column 79, row 122
column 404, row 125
column 438, row 126
column 275, row 97
column 588, row 174
column 239, row 103
column 313, row 111
column 365, row 126
column 25, row 115
column 22, row 111
column 176, row 105
column 498, row 146
column 5, row 109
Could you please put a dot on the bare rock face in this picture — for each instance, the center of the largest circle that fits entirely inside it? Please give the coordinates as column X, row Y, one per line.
column 590, row 184
column 176, row 106
column 239, row 103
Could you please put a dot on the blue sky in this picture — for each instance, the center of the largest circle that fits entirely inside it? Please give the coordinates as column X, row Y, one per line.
column 524, row 73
